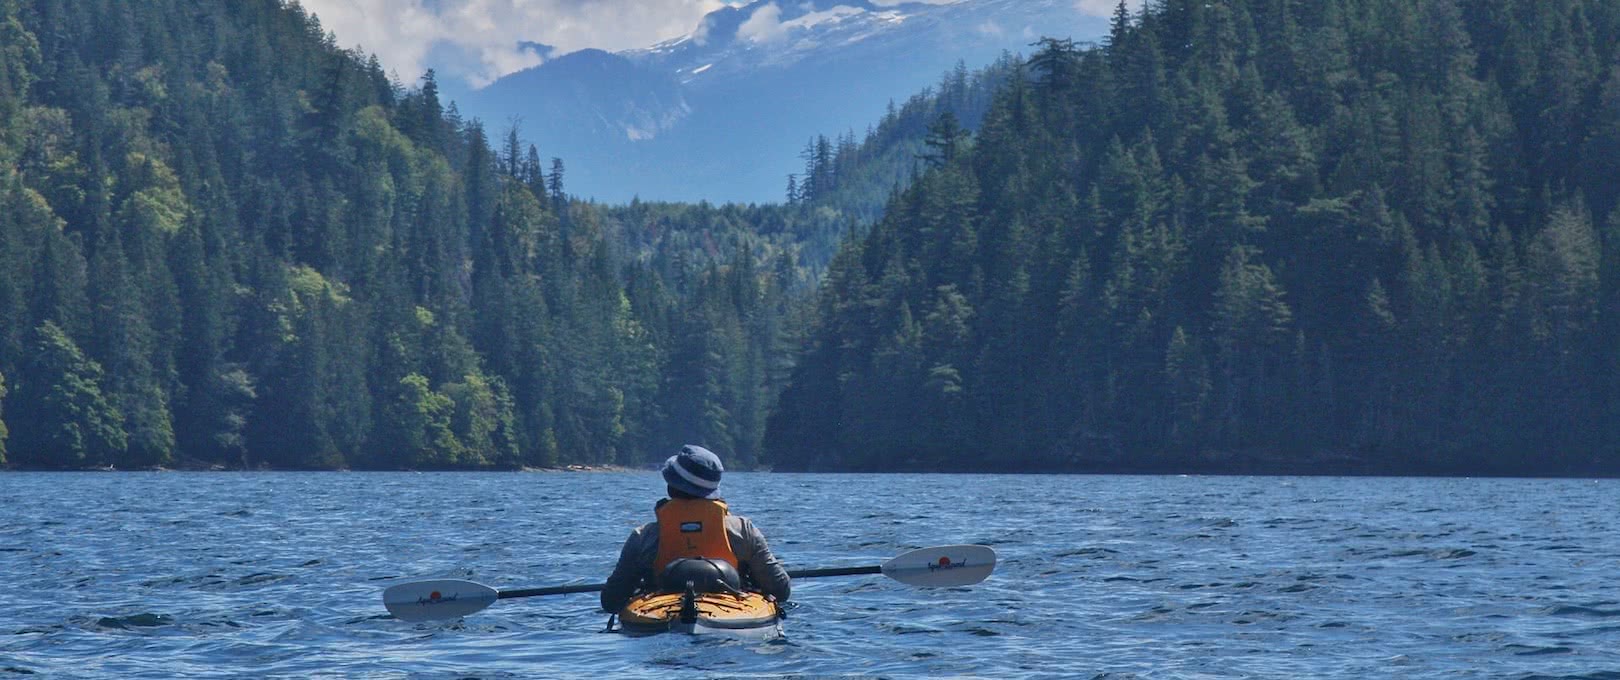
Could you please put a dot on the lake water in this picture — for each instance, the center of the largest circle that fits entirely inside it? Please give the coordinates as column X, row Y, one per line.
column 281, row 574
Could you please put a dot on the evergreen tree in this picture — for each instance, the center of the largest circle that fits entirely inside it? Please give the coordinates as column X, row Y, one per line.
column 62, row 416
column 1358, row 232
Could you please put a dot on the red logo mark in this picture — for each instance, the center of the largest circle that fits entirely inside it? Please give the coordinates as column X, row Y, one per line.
column 434, row 596
column 944, row 561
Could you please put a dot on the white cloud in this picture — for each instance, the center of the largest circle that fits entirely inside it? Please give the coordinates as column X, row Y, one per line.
column 764, row 25
column 483, row 36
column 1105, row 8
column 813, row 18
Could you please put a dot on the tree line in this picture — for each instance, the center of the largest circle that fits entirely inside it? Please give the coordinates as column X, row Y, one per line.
column 1247, row 235
column 227, row 241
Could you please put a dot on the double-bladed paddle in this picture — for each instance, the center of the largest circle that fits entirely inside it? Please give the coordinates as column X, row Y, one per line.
column 943, row 566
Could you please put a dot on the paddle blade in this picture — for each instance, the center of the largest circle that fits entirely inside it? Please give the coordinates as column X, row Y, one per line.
column 437, row 600
column 943, row 566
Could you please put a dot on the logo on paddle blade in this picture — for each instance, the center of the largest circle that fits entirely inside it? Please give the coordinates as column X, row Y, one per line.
column 946, row 563
column 435, row 598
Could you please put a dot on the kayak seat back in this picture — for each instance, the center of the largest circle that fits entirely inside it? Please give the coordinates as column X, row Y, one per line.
column 701, row 574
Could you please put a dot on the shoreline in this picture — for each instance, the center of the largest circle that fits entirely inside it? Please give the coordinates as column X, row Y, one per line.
column 222, row 468
column 1078, row 471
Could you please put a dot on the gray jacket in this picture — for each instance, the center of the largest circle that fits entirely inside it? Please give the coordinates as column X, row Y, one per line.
column 634, row 573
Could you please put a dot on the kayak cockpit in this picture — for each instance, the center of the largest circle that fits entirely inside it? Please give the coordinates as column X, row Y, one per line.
column 739, row 613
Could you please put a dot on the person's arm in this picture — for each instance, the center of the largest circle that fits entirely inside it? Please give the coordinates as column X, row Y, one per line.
column 767, row 572
column 627, row 574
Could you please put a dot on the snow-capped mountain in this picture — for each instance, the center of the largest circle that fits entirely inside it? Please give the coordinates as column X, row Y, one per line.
column 721, row 113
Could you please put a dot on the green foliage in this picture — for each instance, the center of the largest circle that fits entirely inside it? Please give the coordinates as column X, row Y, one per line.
column 276, row 256
column 63, row 418
column 484, row 420
column 1354, row 235
column 419, row 423
column 1369, row 235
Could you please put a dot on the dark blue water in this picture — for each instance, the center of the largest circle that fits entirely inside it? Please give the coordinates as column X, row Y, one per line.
column 281, row 574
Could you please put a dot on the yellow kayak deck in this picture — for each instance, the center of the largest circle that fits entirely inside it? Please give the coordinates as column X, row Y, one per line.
column 714, row 612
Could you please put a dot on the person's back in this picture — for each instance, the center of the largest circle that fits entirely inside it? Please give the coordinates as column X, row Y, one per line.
column 693, row 523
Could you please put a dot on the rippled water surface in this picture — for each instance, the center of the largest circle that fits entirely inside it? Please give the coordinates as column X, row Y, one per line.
column 281, row 574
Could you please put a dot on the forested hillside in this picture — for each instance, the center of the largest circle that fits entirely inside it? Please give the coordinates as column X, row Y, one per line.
column 1249, row 235
column 225, row 240
column 855, row 179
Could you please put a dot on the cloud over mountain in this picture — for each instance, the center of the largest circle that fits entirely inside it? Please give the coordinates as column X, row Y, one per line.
column 481, row 40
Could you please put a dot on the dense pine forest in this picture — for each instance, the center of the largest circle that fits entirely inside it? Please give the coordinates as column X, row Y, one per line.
column 1370, row 236
column 226, row 241
column 1248, row 235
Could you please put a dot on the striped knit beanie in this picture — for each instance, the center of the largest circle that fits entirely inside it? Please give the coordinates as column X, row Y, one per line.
column 695, row 470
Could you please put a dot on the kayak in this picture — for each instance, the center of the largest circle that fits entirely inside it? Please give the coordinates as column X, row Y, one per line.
column 739, row 614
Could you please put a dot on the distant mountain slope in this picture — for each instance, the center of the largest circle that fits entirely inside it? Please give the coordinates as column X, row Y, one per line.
column 855, row 180
column 717, row 114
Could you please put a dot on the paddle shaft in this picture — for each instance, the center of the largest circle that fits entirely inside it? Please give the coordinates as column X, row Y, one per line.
column 836, row 571
column 597, row 587
column 553, row 590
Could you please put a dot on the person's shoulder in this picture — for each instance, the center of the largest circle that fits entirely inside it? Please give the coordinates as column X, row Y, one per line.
column 742, row 524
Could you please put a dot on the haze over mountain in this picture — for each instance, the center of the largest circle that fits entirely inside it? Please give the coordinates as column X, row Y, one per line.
column 720, row 114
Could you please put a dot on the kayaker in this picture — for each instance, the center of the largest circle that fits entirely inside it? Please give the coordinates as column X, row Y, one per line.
column 693, row 523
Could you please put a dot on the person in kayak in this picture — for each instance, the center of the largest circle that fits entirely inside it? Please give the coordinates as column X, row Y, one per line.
column 693, row 523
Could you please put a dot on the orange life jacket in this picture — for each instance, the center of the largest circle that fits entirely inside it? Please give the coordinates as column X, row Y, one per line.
column 692, row 527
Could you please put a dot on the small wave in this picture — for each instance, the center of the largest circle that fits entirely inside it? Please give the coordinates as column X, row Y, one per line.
column 1598, row 675
column 143, row 620
column 16, row 670
column 363, row 619
column 261, row 577
column 1528, row 650
column 1578, row 610
column 1098, row 553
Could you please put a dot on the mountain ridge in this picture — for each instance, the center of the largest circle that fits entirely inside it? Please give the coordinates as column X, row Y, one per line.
column 718, row 114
